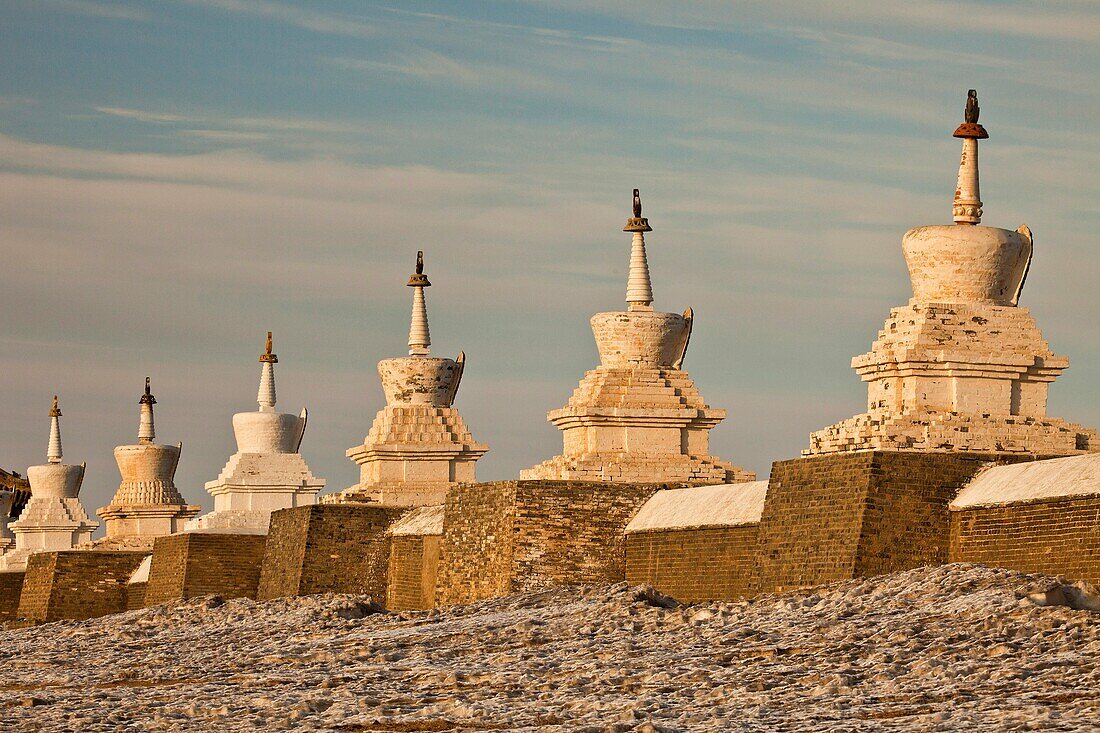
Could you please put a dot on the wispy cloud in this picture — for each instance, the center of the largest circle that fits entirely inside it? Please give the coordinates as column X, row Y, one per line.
column 144, row 115
column 99, row 10
column 302, row 17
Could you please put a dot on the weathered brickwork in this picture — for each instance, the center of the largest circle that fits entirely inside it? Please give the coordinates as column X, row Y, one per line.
column 328, row 548
column 841, row 516
column 75, row 584
column 11, row 586
column 198, row 564
column 1059, row 537
column 695, row 564
column 514, row 536
column 135, row 596
column 413, row 572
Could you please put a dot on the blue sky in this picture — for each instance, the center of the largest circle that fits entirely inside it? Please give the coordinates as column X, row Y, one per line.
column 176, row 178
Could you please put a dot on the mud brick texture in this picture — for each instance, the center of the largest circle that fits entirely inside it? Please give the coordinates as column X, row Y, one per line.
column 1055, row 537
column 328, row 548
column 75, row 584
column 694, row 564
column 135, row 596
column 841, row 516
column 11, row 586
column 195, row 564
column 413, row 572
column 512, row 536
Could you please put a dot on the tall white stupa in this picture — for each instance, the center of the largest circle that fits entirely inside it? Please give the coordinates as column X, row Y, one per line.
column 418, row 445
column 53, row 519
column 147, row 503
column 638, row 417
column 267, row 472
column 962, row 367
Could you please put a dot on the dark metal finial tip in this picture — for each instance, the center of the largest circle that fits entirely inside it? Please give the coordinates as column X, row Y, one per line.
column 147, row 385
column 147, row 398
column 972, row 109
column 637, row 204
column 420, row 262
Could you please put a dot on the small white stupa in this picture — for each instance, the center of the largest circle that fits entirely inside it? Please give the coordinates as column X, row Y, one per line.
column 147, row 503
column 53, row 518
column 266, row 473
column 638, row 417
column 962, row 367
column 419, row 445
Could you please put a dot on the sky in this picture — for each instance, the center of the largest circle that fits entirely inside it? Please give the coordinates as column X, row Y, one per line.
column 178, row 178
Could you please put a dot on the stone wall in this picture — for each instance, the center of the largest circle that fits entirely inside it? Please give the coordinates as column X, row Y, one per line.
column 135, row 596
column 11, row 586
column 840, row 516
column 694, row 564
column 328, row 548
column 75, row 584
column 195, row 564
column 413, row 572
column 1060, row 537
column 513, row 536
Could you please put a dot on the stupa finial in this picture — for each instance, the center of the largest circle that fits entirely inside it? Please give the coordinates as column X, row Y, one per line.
column 420, row 340
column 639, row 289
column 266, row 396
column 968, row 203
column 53, row 452
column 146, row 431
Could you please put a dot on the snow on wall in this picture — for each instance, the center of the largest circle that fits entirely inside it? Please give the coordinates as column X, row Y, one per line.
column 425, row 520
column 1033, row 481
column 725, row 505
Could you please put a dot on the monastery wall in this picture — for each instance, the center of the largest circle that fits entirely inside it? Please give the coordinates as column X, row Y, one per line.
column 511, row 536
column 11, row 586
column 413, row 572
column 691, row 565
column 75, row 585
column 328, row 548
column 200, row 563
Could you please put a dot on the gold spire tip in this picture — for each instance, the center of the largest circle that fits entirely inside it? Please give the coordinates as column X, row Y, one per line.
column 418, row 279
column 267, row 356
column 970, row 127
column 55, row 411
column 637, row 223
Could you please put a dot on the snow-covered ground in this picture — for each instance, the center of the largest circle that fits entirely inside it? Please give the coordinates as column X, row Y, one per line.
column 948, row 648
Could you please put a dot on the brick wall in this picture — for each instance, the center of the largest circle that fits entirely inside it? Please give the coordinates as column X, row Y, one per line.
column 328, row 548
column 846, row 515
column 198, row 564
column 76, row 584
column 11, row 586
column 413, row 572
column 696, row 564
column 512, row 536
column 135, row 596
column 1060, row 537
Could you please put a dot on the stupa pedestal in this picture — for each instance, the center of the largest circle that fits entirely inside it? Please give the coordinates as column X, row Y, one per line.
column 962, row 367
column 147, row 503
column 53, row 518
column 267, row 472
column 638, row 417
column 418, row 446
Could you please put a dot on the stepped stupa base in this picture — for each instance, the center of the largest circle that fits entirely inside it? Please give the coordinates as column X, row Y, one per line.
column 637, row 468
column 148, row 521
column 956, row 432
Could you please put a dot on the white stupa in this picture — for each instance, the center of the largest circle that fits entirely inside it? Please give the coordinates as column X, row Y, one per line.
column 962, row 367
column 266, row 473
column 147, row 503
column 637, row 417
column 418, row 445
column 53, row 518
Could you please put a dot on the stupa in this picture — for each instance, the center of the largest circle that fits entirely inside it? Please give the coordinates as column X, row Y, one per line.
column 53, row 519
column 638, row 417
column 418, row 445
column 962, row 367
column 7, row 539
column 147, row 503
column 267, row 472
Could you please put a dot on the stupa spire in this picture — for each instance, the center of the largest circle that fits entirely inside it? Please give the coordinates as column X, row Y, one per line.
column 53, row 453
column 639, row 290
column 266, row 395
column 420, row 340
column 968, row 200
column 146, row 431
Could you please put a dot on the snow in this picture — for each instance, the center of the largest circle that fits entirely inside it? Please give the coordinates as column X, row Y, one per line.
column 425, row 520
column 725, row 505
column 1033, row 481
column 141, row 575
column 958, row 647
